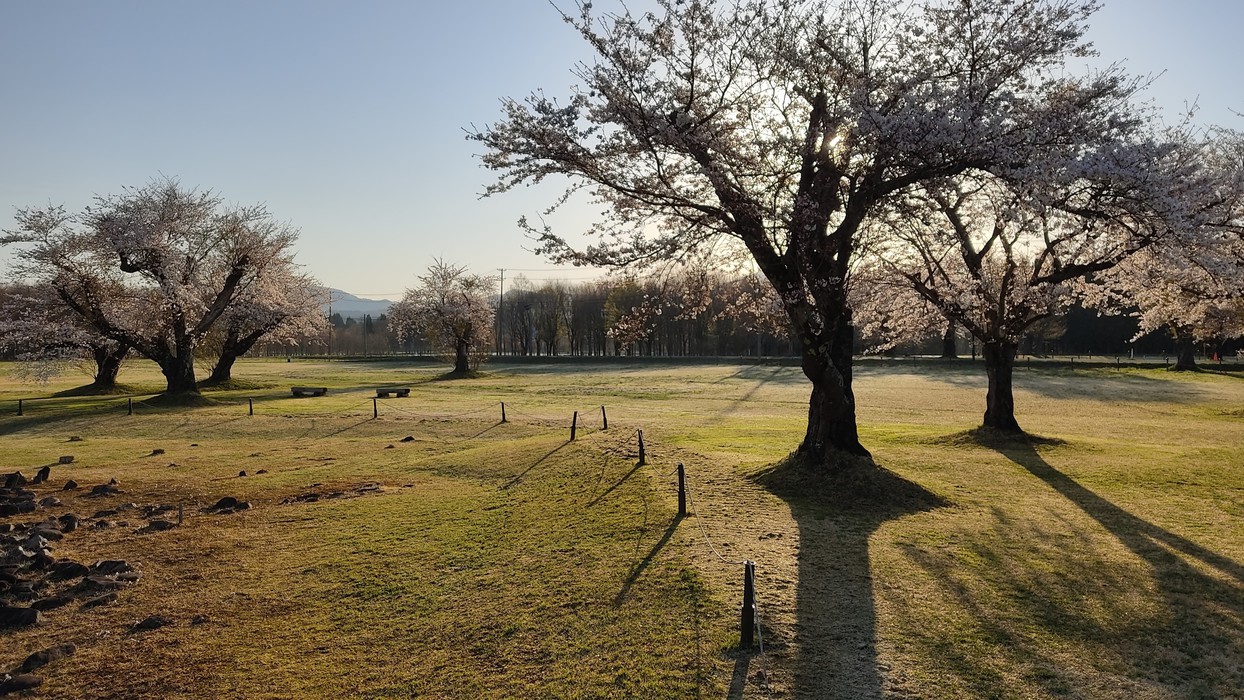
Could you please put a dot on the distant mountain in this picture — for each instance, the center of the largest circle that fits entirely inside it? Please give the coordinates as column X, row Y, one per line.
column 350, row 306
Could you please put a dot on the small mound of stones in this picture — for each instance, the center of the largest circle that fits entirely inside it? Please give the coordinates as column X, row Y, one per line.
column 312, row 496
column 33, row 580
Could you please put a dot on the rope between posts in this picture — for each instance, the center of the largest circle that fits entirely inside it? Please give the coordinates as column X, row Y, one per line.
column 704, row 531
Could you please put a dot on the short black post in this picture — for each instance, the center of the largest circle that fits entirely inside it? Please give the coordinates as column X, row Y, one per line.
column 747, row 617
column 682, row 491
column 604, row 419
column 642, row 456
column 574, row 425
column 19, row 407
column 375, row 410
column 129, row 404
column 181, row 511
column 503, row 412
column 250, row 407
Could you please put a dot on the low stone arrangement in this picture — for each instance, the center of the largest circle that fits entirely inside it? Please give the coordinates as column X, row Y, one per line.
column 33, row 580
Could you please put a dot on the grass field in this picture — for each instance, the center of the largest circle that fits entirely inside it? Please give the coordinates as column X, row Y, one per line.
column 499, row 560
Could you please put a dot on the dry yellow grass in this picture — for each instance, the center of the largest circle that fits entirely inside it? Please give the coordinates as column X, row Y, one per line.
column 499, row 561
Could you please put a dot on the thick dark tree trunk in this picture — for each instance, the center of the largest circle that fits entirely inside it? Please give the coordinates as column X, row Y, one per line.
column 222, row 371
column 1000, row 401
column 108, row 365
column 1185, row 352
column 233, row 348
column 462, row 363
column 178, row 373
column 831, row 409
column 949, row 350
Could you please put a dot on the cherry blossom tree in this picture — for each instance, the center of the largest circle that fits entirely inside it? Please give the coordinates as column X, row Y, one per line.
column 1191, row 283
column 998, row 257
column 785, row 124
column 283, row 305
column 47, row 338
column 453, row 310
column 154, row 268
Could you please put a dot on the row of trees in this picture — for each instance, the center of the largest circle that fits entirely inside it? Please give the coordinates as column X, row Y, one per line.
column 881, row 163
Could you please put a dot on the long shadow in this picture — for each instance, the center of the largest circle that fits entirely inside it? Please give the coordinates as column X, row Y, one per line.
column 1195, row 648
column 638, row 569
column 519, row 477
column 835, row 613
column 615, row 485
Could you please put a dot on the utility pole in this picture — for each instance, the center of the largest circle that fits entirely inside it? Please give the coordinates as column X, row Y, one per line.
column 500, row 309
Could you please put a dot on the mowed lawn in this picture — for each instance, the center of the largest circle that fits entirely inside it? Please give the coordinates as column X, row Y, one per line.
column 1104, row 559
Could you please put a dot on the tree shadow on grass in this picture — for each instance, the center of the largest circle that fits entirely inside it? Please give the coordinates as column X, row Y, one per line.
column 835, row 613
column 1189, row 646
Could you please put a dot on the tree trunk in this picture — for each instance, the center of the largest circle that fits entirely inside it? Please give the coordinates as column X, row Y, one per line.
column 233, row 348
column 1000, row 401
column 949, row 350
column 108, row 365
column 178, row 372
column 222, row 371
column 1185, row 352
column 831, row 409
column 462, row 363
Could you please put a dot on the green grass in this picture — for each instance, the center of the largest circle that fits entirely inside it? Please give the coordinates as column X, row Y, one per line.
column 499, row 560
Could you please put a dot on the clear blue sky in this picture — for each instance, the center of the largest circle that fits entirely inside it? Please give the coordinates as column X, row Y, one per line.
column 346, row 118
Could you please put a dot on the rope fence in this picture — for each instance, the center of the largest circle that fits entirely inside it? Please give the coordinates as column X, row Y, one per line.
column 584, row 421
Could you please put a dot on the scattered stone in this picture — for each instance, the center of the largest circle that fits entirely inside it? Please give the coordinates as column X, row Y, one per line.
column 154, row 622
column 44, row 473
column 39, row 659
column 109, row 489
column 262, row 471
column 108, row 567
column 408, row 438
column 108, row 513
column 75, row 438
column 113, row 482
column 19, row 617
column 388, row 446
column 123, row 523
column 121, row 508
column 65, row 459
column 70, row 485
column 14, row 480
column 242, row 473
column 194, row 444
column 65, row 570
column 103, row 524
column 52, row 603
column 226, row 503
column 7, row 527
column 157, row 526
column 129, row 577
column 69, row 522
column 18, row 683
column 156, row 451
column 50, row 502
column 101, row 600
column 200, row 620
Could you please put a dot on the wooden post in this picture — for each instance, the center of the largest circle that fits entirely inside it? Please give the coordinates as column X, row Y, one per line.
column 19, row 407
column 503, row 412
column 129, row 403
column 375, row 410
column 642, row 456
column 181, row 511
column 682, row 491
column 604, row 419
column 747, row 617
column 250, row 407
column 574, row 425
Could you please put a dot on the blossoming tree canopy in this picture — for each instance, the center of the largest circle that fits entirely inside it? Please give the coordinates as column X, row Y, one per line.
column 783, row 125
column 153, row 268
column 453, row 310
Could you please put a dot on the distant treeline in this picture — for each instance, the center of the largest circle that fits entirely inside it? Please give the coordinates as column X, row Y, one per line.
column 707, row 317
